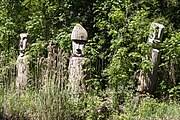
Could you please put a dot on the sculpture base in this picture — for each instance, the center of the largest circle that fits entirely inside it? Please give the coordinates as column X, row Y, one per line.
column 22, row 68
column 76, row 74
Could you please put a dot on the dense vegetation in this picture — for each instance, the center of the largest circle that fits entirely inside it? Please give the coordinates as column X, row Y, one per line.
column 118, row 32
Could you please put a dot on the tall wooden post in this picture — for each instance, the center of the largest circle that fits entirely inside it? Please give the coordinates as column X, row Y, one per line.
column 148, row 81
column 22, row 63
column 76, row 75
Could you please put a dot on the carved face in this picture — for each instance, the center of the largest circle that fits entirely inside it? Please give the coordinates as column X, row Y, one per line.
column 23, row 42
column 155, row 33
column 78, row 48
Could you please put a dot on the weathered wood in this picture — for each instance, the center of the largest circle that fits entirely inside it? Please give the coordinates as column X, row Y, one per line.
column 22, row 69
column 148, row 81
column 23, row 42
column 22, row 63
column 76, row 75
column 79, row 33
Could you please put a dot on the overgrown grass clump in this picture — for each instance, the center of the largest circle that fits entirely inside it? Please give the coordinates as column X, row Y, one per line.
column 52, row 104
column 36, row 104
column 149, row 108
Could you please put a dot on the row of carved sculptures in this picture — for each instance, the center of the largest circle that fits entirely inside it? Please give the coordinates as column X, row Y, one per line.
column 79, row 38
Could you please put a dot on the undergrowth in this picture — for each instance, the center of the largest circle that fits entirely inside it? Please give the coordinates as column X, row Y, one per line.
column 39, row 105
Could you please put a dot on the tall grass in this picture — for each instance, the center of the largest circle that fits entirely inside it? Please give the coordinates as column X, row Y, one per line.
column 46, row 96
column 32, row 104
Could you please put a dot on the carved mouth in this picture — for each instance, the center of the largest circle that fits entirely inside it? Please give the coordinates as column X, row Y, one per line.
column 78, row 51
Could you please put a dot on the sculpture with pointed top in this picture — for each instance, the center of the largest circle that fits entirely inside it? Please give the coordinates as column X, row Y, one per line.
column 76, row 75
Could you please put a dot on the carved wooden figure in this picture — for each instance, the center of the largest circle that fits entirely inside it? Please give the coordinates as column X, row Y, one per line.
column 22, row 63
column 76, row 76
column 148, row 81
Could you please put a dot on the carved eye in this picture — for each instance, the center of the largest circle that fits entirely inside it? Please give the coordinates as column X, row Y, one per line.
column 82, row 37
column 24, row 38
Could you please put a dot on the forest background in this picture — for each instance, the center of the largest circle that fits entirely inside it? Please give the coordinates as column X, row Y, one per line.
column 116, row 50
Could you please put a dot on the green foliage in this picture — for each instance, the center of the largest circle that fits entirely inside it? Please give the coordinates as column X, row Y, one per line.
column 174, row 93
column 146, row 107
column 30, row 104
column 116, row 51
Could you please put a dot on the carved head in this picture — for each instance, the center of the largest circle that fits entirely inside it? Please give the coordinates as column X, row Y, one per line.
column 23, row 42
column 79, row 37
column 156, row 32
column 78, row 48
